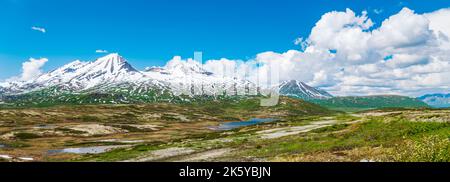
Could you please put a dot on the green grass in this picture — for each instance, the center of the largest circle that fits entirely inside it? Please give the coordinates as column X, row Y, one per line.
column 337, row 127
column 432, row 148
column 121, row 153
column 346, row 109
column 26, row 136
column 15, row 144
column 346, row 117
column 71, row 131
column 373, row 133
column 87, row 118
column 224, row 109
column 132, row 128
column 356, row 104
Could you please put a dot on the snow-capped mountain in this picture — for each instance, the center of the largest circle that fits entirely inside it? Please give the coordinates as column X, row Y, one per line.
column 78, row 75
column 181, row 77
column 189, row 78
column 83, row 75
column 113, row 75
column 298, row 89
column 189, row 67
column 436, row 100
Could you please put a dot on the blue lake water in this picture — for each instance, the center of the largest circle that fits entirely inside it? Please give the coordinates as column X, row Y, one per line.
column 239, row 124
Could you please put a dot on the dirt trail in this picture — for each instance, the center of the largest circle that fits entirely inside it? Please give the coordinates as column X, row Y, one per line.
column 163, row 154
column 295, row 130
column 287, row 131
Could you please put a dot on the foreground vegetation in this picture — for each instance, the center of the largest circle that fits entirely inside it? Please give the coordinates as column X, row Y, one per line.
column 184, row 132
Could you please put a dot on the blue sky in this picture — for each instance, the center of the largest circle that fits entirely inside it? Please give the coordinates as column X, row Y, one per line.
column 151, row 32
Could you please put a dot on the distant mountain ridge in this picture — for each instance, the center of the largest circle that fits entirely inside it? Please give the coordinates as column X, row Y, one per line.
column 298, row 89
column 111, row 79
column 436, row 100
column 113, row 70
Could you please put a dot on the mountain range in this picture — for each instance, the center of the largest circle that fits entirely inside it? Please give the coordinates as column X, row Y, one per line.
column 298, row 89
column 111, row 79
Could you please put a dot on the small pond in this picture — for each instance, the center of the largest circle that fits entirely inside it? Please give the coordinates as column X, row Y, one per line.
column 239, row 124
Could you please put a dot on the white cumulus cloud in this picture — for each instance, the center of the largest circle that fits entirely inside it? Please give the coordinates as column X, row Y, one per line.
column 32, row 68
column 407, row 54
column 40, row 29
column 101, row 51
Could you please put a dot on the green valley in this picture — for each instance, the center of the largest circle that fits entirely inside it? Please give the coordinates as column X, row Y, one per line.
column 300, row 131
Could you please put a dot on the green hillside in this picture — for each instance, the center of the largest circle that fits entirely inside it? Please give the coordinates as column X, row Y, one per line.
column 54, row 96
column 354, row 103
column 215, row 104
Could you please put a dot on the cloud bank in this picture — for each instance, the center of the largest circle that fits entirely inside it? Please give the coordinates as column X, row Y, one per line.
column 345, row 54
column 32, row 68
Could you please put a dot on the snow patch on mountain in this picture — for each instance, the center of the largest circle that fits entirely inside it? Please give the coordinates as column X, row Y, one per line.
column 298, row 89
column 180, row 77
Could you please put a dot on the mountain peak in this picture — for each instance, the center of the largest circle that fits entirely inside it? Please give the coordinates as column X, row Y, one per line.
column 294, row 82
column 301, row 90
column 112, row 57
column 114, row 62
column 178, row 66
